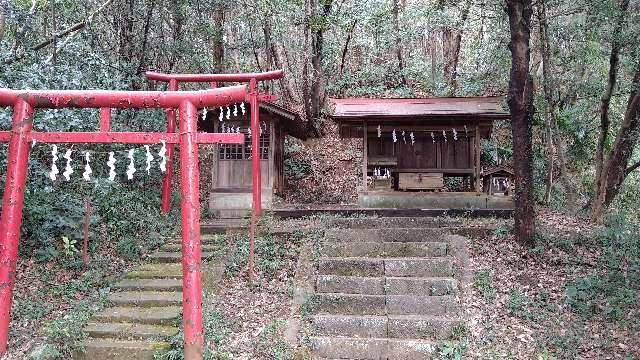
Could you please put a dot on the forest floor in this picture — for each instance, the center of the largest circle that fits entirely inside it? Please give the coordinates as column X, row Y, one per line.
column 575, row 295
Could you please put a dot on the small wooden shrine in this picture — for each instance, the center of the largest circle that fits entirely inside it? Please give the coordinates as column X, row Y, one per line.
column 420, row 144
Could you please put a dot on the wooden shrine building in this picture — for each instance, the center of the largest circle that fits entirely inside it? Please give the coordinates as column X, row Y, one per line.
column 431, row 144
column 231, row 179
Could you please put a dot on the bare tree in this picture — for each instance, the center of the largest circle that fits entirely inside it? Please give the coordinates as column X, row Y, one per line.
column 520, row 101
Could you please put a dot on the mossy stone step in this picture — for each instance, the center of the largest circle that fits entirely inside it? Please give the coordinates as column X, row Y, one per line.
column 372, row 348
column 385, row 249
column 174, row 257
column 165, row 315
column 157, row 271
column 108, row 349
column 149, row 284
column 130, row 331
column 146, row 298
column 204, row 240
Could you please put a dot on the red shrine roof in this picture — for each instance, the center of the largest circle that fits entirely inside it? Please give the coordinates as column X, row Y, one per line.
column 476, row 107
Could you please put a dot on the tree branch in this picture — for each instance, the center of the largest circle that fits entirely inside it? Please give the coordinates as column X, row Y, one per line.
column 71, row 29
column 632, row 168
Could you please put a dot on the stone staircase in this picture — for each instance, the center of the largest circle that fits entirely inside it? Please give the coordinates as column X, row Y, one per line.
column 385, row 293
column 145, row 309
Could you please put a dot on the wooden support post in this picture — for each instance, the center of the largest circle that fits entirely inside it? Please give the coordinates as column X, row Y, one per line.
column 365, row 146
column 477, row 159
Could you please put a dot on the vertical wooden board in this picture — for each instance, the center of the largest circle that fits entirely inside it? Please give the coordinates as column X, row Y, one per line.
column 223, row 174
column 365, row 156
column 430, row 152
column 387, row 146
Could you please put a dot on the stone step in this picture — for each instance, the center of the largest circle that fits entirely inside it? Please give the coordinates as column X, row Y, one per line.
column 356, row 266
column 176, row 257
column 422, row 305
column 385, row 285
column 356, row 304
column 149, row 284
column 422, row 327
column 205, row 239
column 395, row 267
column 157, row 271
column 372, row 348
column 350, row 284
column 350, row 304
column 417, row 267
column 386, row 235
column 399, row 327
column 394, row 222
column 166, row 315
column 177, row 247
column 433, row 286
column 384, row 249
column 107, row 349
column 146, row 298
column 128, row 331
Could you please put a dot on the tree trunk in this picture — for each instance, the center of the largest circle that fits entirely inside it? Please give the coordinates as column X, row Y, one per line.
column 2, row 22
column 217, row 40
column 554, row 143
column 396, row 24
column 614, row 170
column 605, row 123
column 520, row 101
column 345, row 49
column 451, row 41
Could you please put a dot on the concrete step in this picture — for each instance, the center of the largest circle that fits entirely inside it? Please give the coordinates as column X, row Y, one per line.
column 149, row 284
column 399, row 327
column 386, row 235
column 221, row 226
column 357, row 266
column 372, row 348
column 433, row 286
column 157, row 271
column 350, row 284
column 422, row 305
column 107, row 349
column 165, row 315
column 177, row 247
column 418, row 267
column 176, row 257
column 129, row 331
column 146, row 298
column 384, row 249
column 350, row 304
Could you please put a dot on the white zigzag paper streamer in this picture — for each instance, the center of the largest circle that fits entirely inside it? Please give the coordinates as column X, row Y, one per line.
column 163, row 156
column 413, row 139
column 228, row 113
column 393, row 135
column 204, row 114
column 235, row 109
column 112, row 166
column 433, row 137
column 67, row 170
column 221, row 117
column 445, row 135
column 54, row 168
column 242, row 108
column 149, row 159
column 87, row 168
column 131, row 169
column 379, row 131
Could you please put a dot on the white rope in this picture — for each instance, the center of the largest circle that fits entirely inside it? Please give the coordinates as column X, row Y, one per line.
column 54, row 168
column 87, row 168
column 131, row 169
column 67, row 170
column 149, row 158
column 112, row 168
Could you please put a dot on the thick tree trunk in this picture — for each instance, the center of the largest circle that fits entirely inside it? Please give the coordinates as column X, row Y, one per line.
column 614, row 170
column 605, row 123
column 217, row 40
column 520, row 101
column 396, row 24
column 2, row 22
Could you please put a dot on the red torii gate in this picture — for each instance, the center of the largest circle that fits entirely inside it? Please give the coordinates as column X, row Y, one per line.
column 254, row 102
column 21, row 135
